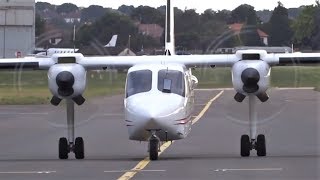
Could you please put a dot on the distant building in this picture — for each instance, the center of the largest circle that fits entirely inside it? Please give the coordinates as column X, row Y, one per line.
column 126, row 52
column 283, row 49
column 17, row 27
column 73, row 17
column 237, row 27
column 153, row 30
column 274, row 49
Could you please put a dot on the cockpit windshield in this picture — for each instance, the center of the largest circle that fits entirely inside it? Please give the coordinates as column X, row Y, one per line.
column 138, row 82
column 171, row 81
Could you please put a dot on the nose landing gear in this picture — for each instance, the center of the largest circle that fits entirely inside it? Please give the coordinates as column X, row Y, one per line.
column 71, row 145
column 257, row 143
column 154, row 147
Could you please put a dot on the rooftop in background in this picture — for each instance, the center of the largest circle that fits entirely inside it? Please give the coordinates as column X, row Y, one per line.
column 236, row 28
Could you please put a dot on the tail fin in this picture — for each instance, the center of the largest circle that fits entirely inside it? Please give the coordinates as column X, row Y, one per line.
column 112, row 42
column 169, row 31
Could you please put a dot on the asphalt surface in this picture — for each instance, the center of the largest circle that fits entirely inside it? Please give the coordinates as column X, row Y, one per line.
column 290, row 120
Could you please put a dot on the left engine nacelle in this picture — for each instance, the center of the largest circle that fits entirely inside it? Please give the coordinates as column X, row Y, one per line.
column 251, row 77
column 67, row 81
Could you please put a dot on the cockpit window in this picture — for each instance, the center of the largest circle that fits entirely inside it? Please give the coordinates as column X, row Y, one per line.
column 138, row 82
column 171, row 81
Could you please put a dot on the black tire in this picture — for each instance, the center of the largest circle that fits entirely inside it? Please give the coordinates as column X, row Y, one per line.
column 79, row 148
column 261, row 145
column 153, row 149
column 63, row 148
column 245, row 146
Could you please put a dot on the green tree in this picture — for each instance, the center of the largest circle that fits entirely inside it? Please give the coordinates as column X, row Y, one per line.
column 126, row 9
column 92, row 13
column 67, row 8
column 113, row 23
column 244, row 14
column 148, row 15
column 40, row 25
column 212, row 25
column 187, row 27
column 249, row 36
column 41, row 6
column 315, row 43
column 279, row 28
column 306, row 27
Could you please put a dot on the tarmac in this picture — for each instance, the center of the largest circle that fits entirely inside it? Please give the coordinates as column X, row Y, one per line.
column 290, row 121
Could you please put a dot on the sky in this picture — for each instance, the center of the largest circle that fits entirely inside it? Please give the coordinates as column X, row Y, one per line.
column 199, row 5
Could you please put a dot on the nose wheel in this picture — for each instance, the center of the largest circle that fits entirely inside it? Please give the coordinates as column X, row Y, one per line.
column 248, row 145
column 154, row 148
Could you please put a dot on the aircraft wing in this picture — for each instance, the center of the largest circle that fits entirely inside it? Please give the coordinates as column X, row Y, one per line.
column 294, row 59
column 198, row 61
column 116, row 62
column 120, row 62
column 31, row 63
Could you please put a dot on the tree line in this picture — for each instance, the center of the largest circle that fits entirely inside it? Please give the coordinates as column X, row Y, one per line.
column 204, row 32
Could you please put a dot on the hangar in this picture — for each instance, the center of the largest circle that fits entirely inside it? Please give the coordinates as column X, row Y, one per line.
column 17, row 27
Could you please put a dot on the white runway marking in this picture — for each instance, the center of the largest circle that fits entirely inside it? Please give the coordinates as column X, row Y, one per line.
column 122, row 171
column 215, row 89
column 300, row 88
column 275, row 88
column 200, row 104
column 16, row 113
column 257, row 169
column 28, row 172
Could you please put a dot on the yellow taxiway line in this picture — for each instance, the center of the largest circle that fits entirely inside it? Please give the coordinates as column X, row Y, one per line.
column 142, row 164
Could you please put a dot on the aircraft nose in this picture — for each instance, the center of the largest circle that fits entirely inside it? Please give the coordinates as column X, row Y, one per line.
column 152, row 117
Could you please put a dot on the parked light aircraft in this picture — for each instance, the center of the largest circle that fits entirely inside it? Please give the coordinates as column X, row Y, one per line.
column 51, row 51
column 168, row 82
column 112, row 42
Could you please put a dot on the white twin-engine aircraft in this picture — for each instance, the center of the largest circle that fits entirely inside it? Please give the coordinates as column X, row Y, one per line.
column 160, row 89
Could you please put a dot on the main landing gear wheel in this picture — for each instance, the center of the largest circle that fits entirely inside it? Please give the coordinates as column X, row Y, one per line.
column 65, row 148
column 153, row 149
column 247, row 145
column 79, row 148
column 261, row 145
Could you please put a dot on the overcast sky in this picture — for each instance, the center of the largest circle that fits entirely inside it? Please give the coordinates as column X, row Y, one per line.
column 199, row 5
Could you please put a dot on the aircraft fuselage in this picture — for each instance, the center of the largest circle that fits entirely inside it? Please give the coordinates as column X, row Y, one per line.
column 159, row 98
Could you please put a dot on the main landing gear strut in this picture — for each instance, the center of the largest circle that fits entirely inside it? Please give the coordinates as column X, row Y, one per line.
column 253, row 142
column 71, row 145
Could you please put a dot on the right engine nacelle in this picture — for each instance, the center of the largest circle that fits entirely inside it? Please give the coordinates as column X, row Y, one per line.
column 251, row 77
